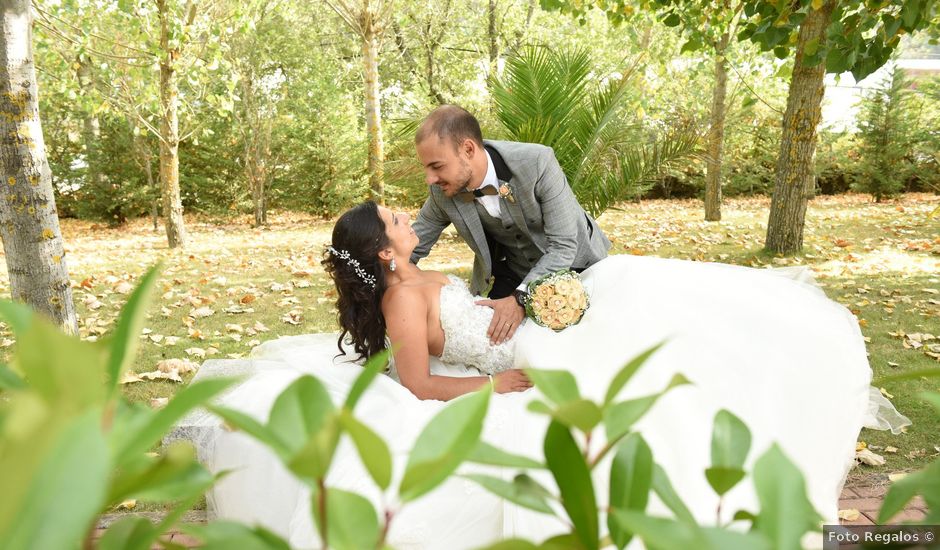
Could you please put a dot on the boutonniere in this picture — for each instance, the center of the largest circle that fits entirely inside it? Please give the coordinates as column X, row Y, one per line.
column 505, row 192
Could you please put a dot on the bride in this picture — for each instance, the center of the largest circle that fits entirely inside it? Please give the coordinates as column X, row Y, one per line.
column 766, row 345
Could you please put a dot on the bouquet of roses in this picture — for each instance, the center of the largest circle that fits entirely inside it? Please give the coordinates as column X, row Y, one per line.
column 557, row 300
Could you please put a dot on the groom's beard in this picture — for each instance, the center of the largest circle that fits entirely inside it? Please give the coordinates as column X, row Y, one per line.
column 464, row 179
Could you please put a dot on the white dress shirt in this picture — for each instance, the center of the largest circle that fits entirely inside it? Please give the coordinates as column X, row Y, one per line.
column 490, row 202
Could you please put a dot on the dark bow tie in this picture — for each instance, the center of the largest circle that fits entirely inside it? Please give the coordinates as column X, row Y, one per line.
column 468, row 196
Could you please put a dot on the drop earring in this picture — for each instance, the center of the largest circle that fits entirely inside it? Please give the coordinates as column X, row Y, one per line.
column 391, row 265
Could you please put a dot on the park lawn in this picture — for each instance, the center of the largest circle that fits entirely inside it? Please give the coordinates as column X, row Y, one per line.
column 880, row 260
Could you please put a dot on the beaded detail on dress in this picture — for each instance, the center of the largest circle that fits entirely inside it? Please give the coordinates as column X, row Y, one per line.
column 465, row 324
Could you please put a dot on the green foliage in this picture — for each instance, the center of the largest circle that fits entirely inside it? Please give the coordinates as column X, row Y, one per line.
column 443, row 444
column 860, row 38
column 890, row 121
column 71, row 448
column 550, row 97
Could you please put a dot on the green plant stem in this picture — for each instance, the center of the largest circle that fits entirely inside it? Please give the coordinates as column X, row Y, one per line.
column 389, row 514
column 321, row 502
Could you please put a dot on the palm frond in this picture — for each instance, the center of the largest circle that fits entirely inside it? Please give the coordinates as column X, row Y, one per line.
column 636, row 169
column 550, row 97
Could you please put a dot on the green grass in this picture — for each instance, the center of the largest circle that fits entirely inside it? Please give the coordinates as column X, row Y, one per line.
column 880, row 260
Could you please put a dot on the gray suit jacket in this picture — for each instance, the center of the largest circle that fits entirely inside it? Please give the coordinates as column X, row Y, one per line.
column 544, row 208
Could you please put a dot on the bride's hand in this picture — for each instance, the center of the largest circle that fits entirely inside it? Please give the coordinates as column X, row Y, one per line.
column 511, row 380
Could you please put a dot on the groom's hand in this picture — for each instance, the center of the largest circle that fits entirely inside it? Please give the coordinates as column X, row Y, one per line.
column 507, row 315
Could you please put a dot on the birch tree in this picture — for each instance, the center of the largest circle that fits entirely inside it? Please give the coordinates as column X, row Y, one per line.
column 29, row 224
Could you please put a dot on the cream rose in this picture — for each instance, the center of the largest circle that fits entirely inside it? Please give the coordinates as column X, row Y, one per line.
column 544, row 291
column 565, row 287
column 566, row 316
column 556, row 302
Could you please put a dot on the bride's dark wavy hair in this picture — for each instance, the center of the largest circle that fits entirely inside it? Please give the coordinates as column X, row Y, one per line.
column 360, row 232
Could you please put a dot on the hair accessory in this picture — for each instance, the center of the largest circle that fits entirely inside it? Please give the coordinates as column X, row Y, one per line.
column 344, row 255
column 391, row 265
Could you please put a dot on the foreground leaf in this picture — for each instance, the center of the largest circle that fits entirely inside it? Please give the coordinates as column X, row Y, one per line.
column 351, row 521
column 786, row 513
column 124, row 342
column 631, row 478
column 62, row 473
column 669, row 534
column 559, row 386
column 573, row 477
column 444, row 443
column 299, row 412
column 373, row 451
column 226, row 535
column 666, row 493
column 370, row 370
column 484, row 453
column 627, row 372
column 522, row 490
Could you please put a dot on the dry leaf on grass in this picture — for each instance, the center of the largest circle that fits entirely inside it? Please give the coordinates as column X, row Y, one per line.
column 867, row 457
column 129, row 378
column 157, row 375
column 294, row 317
column 201, row 312
column 196, row 352
column 850, row 514
column 182, row 366
column 123, row 287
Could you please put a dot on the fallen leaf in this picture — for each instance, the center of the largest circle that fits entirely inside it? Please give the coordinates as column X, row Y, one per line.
column 897, row 476
column 850, row 514
column 890, row 449
column 129, row 378
column 123, row 287
column 159, row 402
column 885, row 393
column 157, row 375
column 195, row 352
column 293, row 317
column 181, row 366
column 127, row 505
column 201, row 312
column 867, row 457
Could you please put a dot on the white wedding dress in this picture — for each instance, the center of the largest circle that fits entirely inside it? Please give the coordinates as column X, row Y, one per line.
column 765, row 344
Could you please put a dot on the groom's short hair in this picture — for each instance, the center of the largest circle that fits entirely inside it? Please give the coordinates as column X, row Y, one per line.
column 452, row 122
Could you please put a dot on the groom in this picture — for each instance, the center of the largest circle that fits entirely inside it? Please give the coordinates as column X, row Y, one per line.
column 510, row 202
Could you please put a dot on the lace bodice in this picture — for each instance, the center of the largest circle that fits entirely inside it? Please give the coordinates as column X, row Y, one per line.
column 465, row 324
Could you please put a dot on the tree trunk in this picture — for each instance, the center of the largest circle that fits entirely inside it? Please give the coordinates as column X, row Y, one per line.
column 370, row 58
column 169, row 139
column 29, row 225
column 794, row 179
column 492, row 38
column 716, row 134
column 92, row 126
column 144, row 158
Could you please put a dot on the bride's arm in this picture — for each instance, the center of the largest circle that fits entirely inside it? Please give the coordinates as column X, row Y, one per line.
column 406, row 321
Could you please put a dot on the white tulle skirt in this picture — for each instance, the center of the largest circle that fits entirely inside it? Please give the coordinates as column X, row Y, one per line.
column 765, row 344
